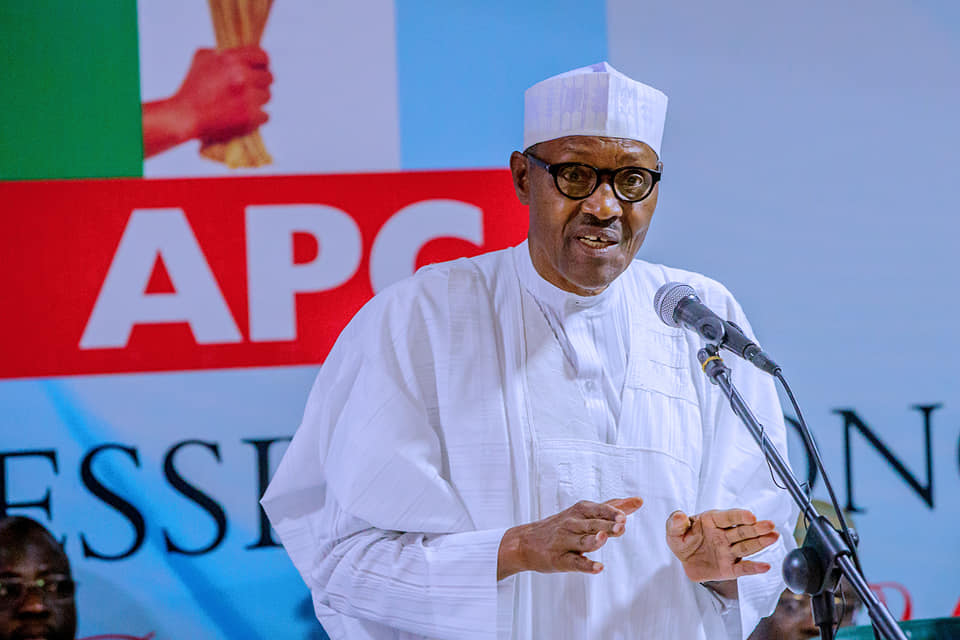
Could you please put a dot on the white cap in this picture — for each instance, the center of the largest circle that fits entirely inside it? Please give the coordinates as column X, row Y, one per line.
column 593, row 101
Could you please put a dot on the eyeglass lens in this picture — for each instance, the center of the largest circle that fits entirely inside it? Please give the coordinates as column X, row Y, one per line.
column 579, row 181
column 797, row 604
column 12, row 590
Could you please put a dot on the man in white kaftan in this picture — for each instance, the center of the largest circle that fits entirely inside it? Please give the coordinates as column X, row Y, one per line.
column 476, row 448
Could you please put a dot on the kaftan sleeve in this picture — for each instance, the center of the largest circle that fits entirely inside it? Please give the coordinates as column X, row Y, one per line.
column 362, row 500
column 736, row 474
column 437, row 586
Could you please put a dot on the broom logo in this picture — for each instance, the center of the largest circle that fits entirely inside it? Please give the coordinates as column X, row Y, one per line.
column 237, row 23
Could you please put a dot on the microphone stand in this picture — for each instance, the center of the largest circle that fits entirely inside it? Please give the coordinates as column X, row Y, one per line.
column 814, row 568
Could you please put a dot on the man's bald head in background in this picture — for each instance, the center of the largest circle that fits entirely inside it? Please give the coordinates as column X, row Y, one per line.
column 36, row 587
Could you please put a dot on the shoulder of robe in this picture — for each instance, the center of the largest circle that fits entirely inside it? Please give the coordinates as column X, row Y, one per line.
column 651, row 276
column 426, row 293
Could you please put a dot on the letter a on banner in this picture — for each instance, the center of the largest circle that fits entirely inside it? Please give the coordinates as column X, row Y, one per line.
column 123, row 301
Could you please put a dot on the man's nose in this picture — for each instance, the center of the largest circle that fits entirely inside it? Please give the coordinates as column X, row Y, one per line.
column 603, row 202
column 33, row 602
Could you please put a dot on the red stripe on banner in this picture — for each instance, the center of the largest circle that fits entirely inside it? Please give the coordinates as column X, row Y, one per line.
column 110, row 276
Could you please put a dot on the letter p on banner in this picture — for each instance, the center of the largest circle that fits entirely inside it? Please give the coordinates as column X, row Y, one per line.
column 274, row 278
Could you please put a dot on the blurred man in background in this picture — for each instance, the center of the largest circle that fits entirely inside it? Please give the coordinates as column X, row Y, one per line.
column 36, row 587
column 793, row 617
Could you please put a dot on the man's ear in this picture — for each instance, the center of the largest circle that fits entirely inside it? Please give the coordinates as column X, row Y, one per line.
column 521, row 176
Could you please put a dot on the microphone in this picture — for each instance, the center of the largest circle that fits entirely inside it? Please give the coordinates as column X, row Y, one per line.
column 677, row 305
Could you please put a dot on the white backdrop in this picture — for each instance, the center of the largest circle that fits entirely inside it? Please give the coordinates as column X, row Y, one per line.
column 810, row 163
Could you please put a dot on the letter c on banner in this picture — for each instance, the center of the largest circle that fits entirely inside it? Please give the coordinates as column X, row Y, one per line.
column 395, row 249
column 273, row 278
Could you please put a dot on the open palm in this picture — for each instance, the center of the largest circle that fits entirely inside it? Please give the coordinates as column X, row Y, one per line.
column 712, row 545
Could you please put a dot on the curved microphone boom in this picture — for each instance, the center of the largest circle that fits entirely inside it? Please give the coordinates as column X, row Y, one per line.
column 677, row 305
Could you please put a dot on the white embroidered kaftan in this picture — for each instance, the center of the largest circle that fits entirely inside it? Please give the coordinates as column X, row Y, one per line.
column 450, row 410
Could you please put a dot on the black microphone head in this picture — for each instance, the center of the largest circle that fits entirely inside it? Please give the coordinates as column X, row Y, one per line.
column 668, row 297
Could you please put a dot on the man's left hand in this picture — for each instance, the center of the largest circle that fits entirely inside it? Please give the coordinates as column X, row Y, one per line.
column 711, row 546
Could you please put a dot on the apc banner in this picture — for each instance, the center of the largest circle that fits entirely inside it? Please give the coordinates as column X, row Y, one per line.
column 154, row 275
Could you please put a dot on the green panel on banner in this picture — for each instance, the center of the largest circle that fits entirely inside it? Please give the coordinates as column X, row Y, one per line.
column 71, row 89
column 933, row 629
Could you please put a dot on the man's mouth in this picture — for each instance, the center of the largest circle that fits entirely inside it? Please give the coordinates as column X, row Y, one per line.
column 31, row 632
column 596, row 242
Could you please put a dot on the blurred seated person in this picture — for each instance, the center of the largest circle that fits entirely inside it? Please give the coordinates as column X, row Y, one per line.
column 36, row 587
column 793, row 617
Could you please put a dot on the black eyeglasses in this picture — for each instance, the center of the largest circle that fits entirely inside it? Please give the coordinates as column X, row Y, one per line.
column 799, row 605
column 12, row 590
column 578, row 181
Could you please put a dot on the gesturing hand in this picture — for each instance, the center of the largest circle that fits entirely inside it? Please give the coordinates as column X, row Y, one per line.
column 711, row 545
column 558, row 543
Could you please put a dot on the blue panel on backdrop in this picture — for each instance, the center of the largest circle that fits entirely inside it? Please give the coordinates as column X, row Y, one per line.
column 462, row 69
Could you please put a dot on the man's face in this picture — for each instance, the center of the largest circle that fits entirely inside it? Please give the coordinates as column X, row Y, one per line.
column 36, row 613
column 793, row 617
column 564, row 233
column 791, row 620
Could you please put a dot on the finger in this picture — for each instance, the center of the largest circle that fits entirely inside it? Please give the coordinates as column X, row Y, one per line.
column 749, row 568
column 678, row 523
column 744, row 532
column 596, row 525
column 203, row 54
column 594, row 510
column 259, row 96
column 577, row 562
column 684, row 534
column 260, row 78
column 259, row 118
column 252, row 55
column 732, row 518
column 585, row 542
column 627, row 505
column 752, row 545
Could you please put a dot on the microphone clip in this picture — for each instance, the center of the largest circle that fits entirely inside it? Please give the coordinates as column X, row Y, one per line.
column 711, row 362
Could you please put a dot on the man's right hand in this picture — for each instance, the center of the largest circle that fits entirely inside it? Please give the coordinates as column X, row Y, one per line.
column 558, row 543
